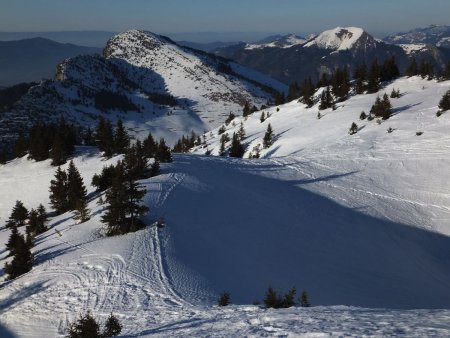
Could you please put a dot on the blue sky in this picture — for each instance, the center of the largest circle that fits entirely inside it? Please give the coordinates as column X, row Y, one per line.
column 183, row 16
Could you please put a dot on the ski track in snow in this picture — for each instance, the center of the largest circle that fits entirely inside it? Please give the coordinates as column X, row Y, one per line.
column 150, row 281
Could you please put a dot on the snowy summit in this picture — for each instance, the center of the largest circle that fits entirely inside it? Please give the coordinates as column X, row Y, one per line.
column 337, row 39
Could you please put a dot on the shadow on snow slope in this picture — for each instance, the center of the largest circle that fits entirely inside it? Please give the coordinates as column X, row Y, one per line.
column 242, row 232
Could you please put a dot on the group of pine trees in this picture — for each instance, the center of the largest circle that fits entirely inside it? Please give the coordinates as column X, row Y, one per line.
column 273, row 299
column 48, row 140
column 276, row 300
column 185, row 143
column 338, row 86
column 87, row 327
column 18, row 245
column 68, row 192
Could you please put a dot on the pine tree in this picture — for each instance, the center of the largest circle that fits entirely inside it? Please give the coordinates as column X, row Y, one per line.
column 13, row 239
column 373, row 78
column 39, row 149
column 272, row 299
column 33, row 223
column 387, row 107
column 262, row 118
column 134, row 208
column 150, row 146
column 307, row 91
column 360, row 77
column 82, row 213
column 426, row 69
column 112, row 327
column 20, row 146
column 155, row 168
column 340, row 84
column 241, row 131
column 58, row 192
column 224, row 299
column 85, row 327
column 246, row 110
column 412, row 69
column 446, row 74
column 104, row 137
column 294, row 91
column 304, row 301
column 163, row 152
column 236, row 150
column 57, row 151
column 115, row 215
column 323, row 81
column 268, row 137
column 19, row 215
column 104, row 180
column 121, row 138
column 382, row 108
column 22, row 261
column 389, row 70
column 76, row 191
column 279, row 99
column 42, row 220
column 289, row 298
column 326, row 100
column 124, row 203
column 353, row 129
column 444, row 103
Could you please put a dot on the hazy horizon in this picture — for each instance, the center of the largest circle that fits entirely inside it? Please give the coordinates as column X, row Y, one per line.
column 225, row 20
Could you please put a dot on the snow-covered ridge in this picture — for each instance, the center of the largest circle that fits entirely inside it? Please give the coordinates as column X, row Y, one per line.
column 202, row 88
column 438, row 35
column 411, row 48
column 286, row 41
column 337, row 39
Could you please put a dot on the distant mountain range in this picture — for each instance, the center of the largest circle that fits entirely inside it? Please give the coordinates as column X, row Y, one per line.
column 34, row 59
column 434, row 35
column 291, row 58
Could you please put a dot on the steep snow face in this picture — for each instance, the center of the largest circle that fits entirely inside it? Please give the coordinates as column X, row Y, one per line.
column 185, row 74
column 337, row 39
column 286, row 41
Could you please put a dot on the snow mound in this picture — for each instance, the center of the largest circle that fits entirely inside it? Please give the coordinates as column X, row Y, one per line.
column 337, row 39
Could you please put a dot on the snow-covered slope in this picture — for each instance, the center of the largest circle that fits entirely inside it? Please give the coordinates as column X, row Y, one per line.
column 279, row 228
column 368, row 153
column 172, row 89
column 357, row 220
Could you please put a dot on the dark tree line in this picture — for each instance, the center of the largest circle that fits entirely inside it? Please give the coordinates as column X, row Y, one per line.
column 185, row 143
column 48, row 140
column 107, row 100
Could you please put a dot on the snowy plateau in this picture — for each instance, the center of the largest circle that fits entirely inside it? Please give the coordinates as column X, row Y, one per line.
column 359, row 221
